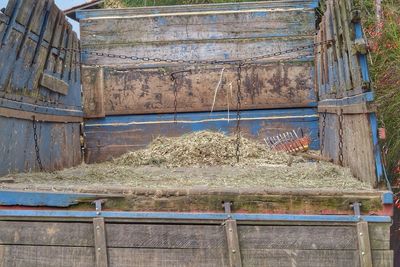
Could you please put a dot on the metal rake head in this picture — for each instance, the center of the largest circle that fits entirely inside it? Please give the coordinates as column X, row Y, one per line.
column 289, row 142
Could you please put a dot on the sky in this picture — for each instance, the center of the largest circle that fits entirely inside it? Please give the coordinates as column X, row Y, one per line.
column 62, row 4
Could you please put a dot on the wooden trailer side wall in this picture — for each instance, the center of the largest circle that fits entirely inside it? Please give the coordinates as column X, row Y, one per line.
column 124, row 243
column 129, row 102
column 348, row 125
column 39, row 81
column 141, row 87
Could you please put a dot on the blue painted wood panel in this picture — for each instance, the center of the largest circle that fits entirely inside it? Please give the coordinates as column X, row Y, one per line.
column 30, row 46
column 59, row 145
column 48, row 199
column 95, row 13
column 114, row 135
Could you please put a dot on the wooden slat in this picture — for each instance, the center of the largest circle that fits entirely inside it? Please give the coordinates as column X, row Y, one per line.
column 353, row 61
column 364, row 246
column 100, row 243
column 358, row 147
column 17, row 152
column 232, row 237
column 27, row 115
column 127, row 257
column 93, row 92
column 206, row 50
column 43, row 256
column 180, row 27
column 360, row 108
column 315, row 258
column 54, row 84
column 146, row 91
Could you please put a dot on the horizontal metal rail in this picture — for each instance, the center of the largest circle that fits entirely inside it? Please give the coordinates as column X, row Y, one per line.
column 192, row 216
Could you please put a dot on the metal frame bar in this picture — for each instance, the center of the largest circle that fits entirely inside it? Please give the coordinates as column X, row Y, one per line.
column 192, row 216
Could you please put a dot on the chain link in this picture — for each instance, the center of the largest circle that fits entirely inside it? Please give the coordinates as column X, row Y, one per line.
column 35, row 138
column 238, row 109
column 341, row 137
column 243, row 62
column 173, row 79
column 323, row 132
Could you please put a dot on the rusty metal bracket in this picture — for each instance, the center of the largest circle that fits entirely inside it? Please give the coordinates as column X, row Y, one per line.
column 227, row 205
column 98, row 205
column 356, row 206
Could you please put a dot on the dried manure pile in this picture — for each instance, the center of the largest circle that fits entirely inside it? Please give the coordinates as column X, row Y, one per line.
column 199, row 160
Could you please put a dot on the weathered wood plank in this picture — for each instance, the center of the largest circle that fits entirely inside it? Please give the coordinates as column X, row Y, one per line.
column 364, row 246
column 213, row 25
column 304, row 237
column 43, row 256
column 208, row 50
column 192, row 236
column 359, row 108
column 166, row 236
column 95, row 13
column 315, row 258
column 100, row 243
column 127, row 257
column 358, row 147
column 27, row 115
column 93, row 92
column 232, row 237
column 54, row 84
column 146, row 91
column 17, row 151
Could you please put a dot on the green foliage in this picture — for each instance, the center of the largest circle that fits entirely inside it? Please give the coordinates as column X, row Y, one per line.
column 384, row 41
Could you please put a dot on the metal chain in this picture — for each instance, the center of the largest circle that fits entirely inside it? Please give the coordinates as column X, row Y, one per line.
column 341, row 137
column 323, row 131
column 173, row 79
column 35, row 138
column 238, row 108
column 245, row 61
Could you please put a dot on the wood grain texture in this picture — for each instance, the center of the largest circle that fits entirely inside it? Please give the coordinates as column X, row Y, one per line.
column 146, row 91
column 137, row 87
column 97, row 13
column 357, row 143
column 54, row 84
column 59, row 145
column 364, row 245
column 100, row 242
column 314, row 258
column 33, row 86
column 43, row 256
column 191, row 236
column 206, row 25
column 231, row 229
column 93, row 93
column 358, row 150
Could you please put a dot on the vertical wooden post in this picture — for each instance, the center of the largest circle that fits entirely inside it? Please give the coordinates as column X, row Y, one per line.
column 364, row 245
column 235, row 259
column 100, row 245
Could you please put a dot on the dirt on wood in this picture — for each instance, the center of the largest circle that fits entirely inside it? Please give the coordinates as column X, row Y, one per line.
column 201, row 159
